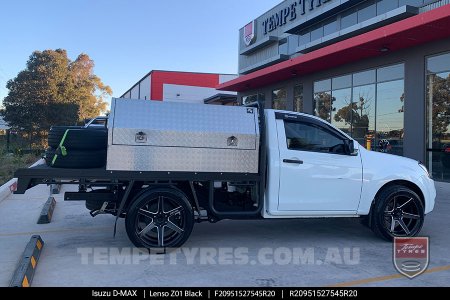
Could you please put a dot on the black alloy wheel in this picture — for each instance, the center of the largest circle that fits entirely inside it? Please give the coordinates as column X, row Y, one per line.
column 398, row 212
column 160, row 218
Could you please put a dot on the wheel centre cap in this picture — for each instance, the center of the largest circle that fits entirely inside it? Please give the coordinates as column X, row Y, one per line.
column 160, row 220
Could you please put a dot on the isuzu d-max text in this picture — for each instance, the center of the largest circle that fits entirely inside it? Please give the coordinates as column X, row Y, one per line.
column 169, row 165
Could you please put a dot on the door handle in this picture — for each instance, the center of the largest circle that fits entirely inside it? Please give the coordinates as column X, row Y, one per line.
column 293, row 161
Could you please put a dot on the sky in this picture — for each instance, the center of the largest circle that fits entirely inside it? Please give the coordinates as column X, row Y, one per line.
column 127, row 38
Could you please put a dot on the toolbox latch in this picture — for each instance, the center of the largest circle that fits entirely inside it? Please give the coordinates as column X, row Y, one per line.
column 141, row 137
column 232, row 141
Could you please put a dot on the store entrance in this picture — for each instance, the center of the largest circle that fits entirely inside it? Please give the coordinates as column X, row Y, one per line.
column 438, row 129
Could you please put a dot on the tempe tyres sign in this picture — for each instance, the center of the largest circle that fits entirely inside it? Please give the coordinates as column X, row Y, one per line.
column 290, row 13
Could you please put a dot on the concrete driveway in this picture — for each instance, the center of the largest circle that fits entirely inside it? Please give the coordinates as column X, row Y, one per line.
column 81, row 251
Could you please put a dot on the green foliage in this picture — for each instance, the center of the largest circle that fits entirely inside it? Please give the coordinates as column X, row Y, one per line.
column 9, row 163
column 53, row 90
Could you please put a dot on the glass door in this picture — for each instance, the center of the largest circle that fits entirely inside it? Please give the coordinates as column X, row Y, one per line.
column 438, row 119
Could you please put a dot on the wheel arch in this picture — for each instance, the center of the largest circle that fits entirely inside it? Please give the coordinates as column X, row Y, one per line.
column 415, row 188
column 150, row 188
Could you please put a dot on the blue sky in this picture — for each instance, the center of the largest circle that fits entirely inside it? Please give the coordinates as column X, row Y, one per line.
column 127, row 39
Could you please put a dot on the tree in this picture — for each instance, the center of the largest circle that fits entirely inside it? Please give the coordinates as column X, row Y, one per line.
column 53, row 90
column 90, row 90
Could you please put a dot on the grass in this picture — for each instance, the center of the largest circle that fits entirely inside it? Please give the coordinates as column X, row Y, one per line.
column 10, row 162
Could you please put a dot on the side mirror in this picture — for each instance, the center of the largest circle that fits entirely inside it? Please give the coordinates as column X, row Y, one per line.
column 349, row 147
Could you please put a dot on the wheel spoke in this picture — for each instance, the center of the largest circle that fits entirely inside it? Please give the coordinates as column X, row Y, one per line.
column 160, row 230
column 393, row 221
column 410, row 216
column 146, row 213
column 175, row 211
column 147, row 228
column 394, row 204
column 160, row 204
column 404, row 227
column 387, row 213
column 174, row 227
column 411, row 199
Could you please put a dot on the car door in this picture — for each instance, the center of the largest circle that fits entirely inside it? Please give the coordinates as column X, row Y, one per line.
column 316, row 173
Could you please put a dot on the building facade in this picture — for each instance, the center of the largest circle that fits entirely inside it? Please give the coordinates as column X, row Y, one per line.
column 182, row 87
column 377, row 69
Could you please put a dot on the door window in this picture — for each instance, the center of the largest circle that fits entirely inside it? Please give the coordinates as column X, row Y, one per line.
column 311, row 137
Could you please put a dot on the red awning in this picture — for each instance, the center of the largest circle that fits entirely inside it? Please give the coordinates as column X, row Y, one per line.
column 416, row 30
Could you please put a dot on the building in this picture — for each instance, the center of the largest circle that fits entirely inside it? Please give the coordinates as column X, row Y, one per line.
column 182, row 86
column 377, row 69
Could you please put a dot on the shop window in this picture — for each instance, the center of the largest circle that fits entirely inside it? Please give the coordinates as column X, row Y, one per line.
column 298, row 98
column 438, row 116
column 253, row 98
column 365, row 77
column 323, row 85
column 341, row 113
column 436, row 64
column 367, row 105
column 342, row 82
column 279, row 99
column 322, row 105
column 363, row 115
column 391, row 73
column 390, row 117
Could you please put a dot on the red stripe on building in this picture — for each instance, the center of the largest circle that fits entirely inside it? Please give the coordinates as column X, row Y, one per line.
column 159, row 78
column 414, row 31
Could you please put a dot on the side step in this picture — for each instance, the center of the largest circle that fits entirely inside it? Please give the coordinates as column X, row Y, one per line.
column 81, row 196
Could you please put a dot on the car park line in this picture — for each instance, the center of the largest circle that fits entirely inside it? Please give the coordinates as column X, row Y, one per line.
column 387, row 277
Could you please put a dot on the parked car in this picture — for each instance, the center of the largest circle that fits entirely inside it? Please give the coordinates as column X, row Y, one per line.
column 170, row 165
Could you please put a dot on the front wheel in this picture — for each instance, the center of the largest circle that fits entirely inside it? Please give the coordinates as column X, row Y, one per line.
column 398, row 212
column 159, row 218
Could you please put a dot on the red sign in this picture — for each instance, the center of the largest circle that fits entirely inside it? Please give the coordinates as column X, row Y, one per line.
column 411, row 255
column 249, row 33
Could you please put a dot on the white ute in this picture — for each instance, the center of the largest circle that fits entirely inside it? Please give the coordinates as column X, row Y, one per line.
column 170, row 165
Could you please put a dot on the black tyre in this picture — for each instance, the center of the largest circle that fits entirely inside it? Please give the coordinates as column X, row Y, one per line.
column 79, row 138
column 397, row 212
column 161, row 217
column 56, row 133
column 76, row 159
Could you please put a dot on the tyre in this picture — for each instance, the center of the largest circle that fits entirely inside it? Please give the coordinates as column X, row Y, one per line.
column 79, row 138
column 398, row 212
column 159, row 218
column 56, row 133
column 76, row 159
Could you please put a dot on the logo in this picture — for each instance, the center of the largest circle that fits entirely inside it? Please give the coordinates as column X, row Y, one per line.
column 249, row 33
column 411, row 255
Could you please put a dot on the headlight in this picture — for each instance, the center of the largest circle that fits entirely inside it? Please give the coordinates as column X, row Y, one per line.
column 425, row 169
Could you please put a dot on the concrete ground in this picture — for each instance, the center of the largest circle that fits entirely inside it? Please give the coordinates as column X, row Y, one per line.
column 81, row 251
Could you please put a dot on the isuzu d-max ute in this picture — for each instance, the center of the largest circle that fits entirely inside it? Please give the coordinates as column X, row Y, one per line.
column 170, row 165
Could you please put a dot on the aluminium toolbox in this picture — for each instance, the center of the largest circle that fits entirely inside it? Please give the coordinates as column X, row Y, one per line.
column 146, row 135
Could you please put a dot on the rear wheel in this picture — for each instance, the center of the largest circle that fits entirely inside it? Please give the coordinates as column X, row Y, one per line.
column 161, row 217
column 398, row 212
